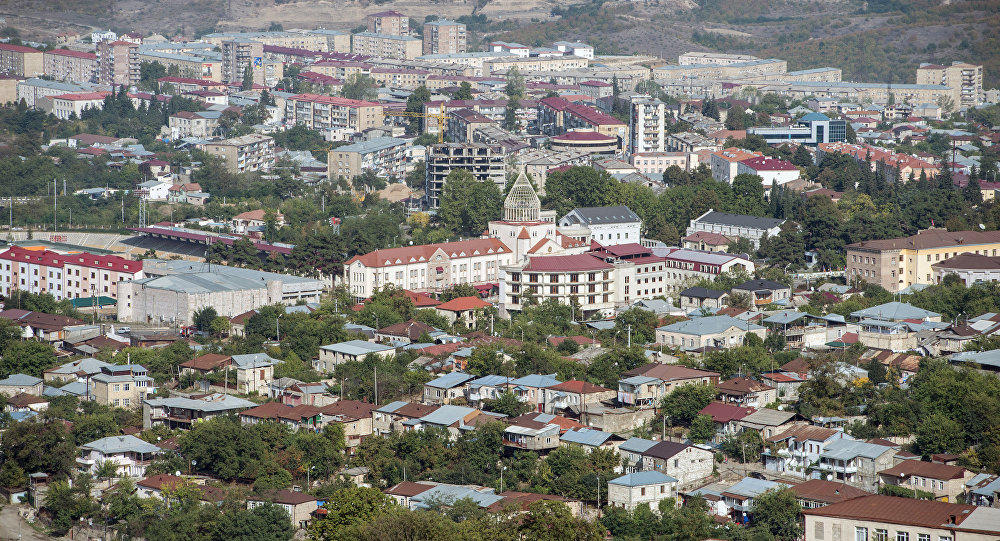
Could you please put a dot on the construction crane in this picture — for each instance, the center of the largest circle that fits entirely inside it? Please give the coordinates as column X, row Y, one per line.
column 440, row 117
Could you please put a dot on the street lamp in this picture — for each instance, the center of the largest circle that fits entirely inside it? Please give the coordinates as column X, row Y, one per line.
column 191, row 466
column 502, row 469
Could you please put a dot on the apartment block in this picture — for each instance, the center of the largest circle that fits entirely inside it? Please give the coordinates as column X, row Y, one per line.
column 390, row 22
column 8, row 88
column 444, row 37
column 237, row 55
column 894, row 166
column 717, row 59
column 965, row 81
column 319, row 112
column 64, row 275
column 725, row 163
column 485, row 162
column 406, row 79
column 385, row 156
column 581, row 279
column 20, row 60
column 898, row 263
column 67, row 65
column 253, row 152
column 647, row 120
column 193, row 124
column 117, row 63
column 386, row 45
column 65, row 106
column 656, row 163
column 558, row 115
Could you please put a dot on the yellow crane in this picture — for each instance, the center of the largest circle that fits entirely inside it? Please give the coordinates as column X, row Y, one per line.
column 440, row 117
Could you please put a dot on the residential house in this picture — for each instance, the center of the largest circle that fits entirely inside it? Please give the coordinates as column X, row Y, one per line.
column 129, row 454
column 945, row 481
column 251, row 220
column 488, row 387
column 799, row 449
column 27, row 403
column 254, row 372
column 399, row 416
column 646, row 385
column 686, row 463
column 455, row 419
column 354, row 416
column 764, row 292
column 407, row 332
column 820, row 492
column 747, row 392
column 16, row 384
column 875, row 516
column 700, row 298
column 445, row 389
column 350, row 351
column 590, row 439
column 531, row 389
column 122, row 385
column 740, row 497
column 709, row 332
column 575, row 394
column 726, row 418
column 769, row 422
column 983, row 489
column 857, row 462
column 182, row 412
column 77, row 370
column 631, row 451
column 297, row 417
column 786, row 383
column 463, row 309
column 735, row 226
column 205, row 364
column 298, row 505
column 533, row 432
column 641, row 488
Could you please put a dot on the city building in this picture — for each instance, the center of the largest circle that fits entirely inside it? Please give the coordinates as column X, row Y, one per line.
column 654, row 164
column 402, row 47
column 684, row 267
column 251, row 152
column 646, row 385
column 898, row 263
column 590, row 142
column 326, row 113
column 894, row 166
column 385, row 156
column 182, row 412
column 331, row 355
column 709, row 332
column 875, row 516
column 67, row 65
column 428, row 267
column 946, row 482
column 65, row 275
column 390, row 22
column 239, row 55
column 21, row 61
column 121, row 385
column 719, row 59
column 64, row 106
column 963, row 79
column 641, row 488
column 202, row 124
column 575, row 48
column 582, row 280
column 690, row 143
column 735, row 226
column 558, row 115
column 117, row 63
column 129, row 454
column 970, row 268
column 444, row 36
column 772, row 171
column 647, row 120
column 725, row 163
column 485, row 162
column 606, row 225
column 812, row 129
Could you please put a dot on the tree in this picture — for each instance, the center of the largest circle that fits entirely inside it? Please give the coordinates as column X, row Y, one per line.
column 702, row 428
column 802, row 157
column 204, row 317
column 464, row 91
column 777, row 512
column 360, row 86
column 748, row 191
column 938, row 433
column 349, row 507
column 415, row 104
column 745, row 446
column 468, row 204
column 684, row 402
column 267, row 522
column 510, row 120
column 515, row 87
column 710, row 109
column 638, row 323
column 549, row 520
column 508, row 404
column 27, row 357
column 247, row 83
column 973, row 191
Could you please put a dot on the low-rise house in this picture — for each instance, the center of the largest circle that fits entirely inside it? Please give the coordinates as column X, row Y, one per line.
column 710, row 332
column 182, row 412
column 799, row 448
column 488, row 387
column 531, row 389
column 613, row 419
column 575, row 393
column 204, row 365
column 455, row 419
column 700, row 298
column 686, row 463
column 122, row 385
column 769, row 422
column 747, row 392
column 464, row 309
column 631, row 451
column 857, row 462
column 129, row 454
column 350, row 351
column 445, row 389
column 983, row 489
column 298, row 392
column 296, row 417
column 354, row 416
column 298, row 505
column 25, row 403
column 785, row 383
column 646, row 385
column 641, row 488
column 155, row 485
column 399, row 416
column 875, row 516
column 407, row 332
column 764, row 292
column 254, row 220
column 590, row 439
column 945, row 481
column 726, row 418
column 404, row 492
column 740, row 497
column 533, row 432
column 15, row 384
column 254, row 372
column 78, row 370
column 820, row 492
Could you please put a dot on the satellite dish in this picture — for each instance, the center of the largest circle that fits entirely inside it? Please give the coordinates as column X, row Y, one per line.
column 177, row 473
column 829, row 477
column 983, row 227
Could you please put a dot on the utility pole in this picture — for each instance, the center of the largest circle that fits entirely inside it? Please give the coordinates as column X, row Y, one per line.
column 630, row 335
column 55, row 195
column 376, row 384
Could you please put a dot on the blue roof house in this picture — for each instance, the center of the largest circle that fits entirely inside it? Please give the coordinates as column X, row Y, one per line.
column 641, row 488
column 446, row 388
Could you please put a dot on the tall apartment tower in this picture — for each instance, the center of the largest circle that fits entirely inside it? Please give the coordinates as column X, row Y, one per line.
column 117, row 63
column 444, row 37
column 392, row 23
column 485, row 162
column 965, row 81
column 237, row 54
column 647, row 123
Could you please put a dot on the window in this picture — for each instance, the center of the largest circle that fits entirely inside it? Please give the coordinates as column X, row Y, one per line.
column 860, row 534
column 923, row 537
column 880, row 535
column 902, row 536
column 642, row 491
column 818, row 530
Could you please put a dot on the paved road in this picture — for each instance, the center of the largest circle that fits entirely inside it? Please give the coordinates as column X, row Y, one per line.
column 11, row 525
